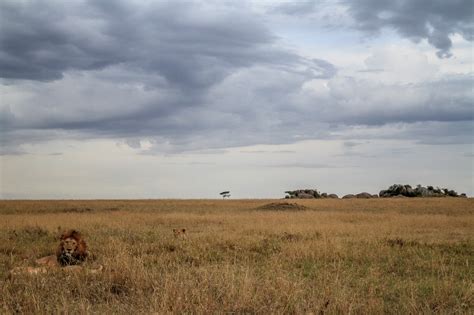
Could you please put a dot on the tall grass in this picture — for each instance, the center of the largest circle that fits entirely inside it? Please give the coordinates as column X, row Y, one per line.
column 337, row 256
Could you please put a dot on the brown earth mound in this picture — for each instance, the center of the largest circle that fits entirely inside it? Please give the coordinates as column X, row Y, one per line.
column 282, row 206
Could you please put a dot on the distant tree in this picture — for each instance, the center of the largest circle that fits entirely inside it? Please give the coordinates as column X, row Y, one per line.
column 225, row 194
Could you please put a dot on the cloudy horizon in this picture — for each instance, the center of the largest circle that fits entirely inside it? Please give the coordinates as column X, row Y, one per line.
column 185, row 99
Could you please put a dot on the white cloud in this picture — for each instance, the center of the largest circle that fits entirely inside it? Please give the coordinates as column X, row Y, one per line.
column 394, row 64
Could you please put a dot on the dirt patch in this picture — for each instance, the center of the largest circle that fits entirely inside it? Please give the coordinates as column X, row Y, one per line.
column 282, row 206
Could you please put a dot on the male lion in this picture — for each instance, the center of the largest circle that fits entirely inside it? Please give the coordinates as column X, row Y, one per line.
column 72, row 249
column 71, row 252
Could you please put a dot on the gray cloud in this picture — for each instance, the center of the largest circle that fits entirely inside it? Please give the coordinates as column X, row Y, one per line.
column 295, row 7
column 361, row 102
column 252, row 106
column 434, row 20
column 124, row 69
column 186, row 76
column 425, row 133
column 190, row 45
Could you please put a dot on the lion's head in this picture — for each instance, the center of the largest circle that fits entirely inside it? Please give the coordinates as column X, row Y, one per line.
column 72, row 249
column 179, row 233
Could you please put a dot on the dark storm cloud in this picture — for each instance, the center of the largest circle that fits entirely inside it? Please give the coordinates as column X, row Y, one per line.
column 180, row 49
column 434, row 20
column 190, row 45
column 252, row 106
column 185, row 76
column 38, row 44
column 141, row 70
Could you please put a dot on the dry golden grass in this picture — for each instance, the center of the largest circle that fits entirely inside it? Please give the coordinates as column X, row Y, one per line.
column 334, row 256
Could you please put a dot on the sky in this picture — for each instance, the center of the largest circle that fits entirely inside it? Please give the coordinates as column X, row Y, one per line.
column 185, row 99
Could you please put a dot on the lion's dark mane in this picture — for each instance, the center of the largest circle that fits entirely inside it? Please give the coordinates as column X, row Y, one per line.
column 78, row 256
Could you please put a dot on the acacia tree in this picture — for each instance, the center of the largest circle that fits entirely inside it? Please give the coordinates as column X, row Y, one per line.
column 225, row 194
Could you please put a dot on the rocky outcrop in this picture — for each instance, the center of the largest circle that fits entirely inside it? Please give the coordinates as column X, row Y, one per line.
column 364, row 195
column 419, row 191
column 303, row 194
column 308, row 194
column 396, row 190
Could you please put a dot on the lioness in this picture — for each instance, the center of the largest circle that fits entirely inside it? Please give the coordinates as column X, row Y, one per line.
column 179, row 233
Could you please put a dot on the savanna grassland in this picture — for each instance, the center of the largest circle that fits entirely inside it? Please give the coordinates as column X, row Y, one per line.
column 328, row 256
